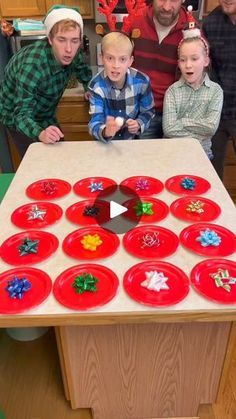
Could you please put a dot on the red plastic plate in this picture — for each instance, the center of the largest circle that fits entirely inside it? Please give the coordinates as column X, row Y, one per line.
column 179, row 209
column 20, row 216
column 160, row 210
column 132, row 241
column 173, row 184
column 35, row 190
column 227, row 246
column 178, row 284
column 73, row 247
column 66, row 294
column 41, row 288
column 205, row 285
column 9, row 250
column 155, row 185
column 75, row 212
column 82, row 187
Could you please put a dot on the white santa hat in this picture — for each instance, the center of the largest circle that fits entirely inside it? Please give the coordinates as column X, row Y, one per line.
column 58, row 13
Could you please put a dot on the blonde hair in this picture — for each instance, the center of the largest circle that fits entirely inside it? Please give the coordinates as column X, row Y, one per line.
column 64, row 25
column 194, row 39
column 117, row 38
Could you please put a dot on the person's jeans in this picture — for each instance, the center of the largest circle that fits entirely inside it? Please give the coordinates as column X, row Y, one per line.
column 6, row 164
column 225, row 130
column 155, row 128
column 20, row 140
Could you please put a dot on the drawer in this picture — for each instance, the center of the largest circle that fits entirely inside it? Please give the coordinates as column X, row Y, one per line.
column 230, row 155
column 73, row 112
column 76, row 132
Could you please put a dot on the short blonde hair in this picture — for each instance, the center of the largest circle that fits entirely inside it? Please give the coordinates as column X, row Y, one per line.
column 117, row 38
column 64, row 25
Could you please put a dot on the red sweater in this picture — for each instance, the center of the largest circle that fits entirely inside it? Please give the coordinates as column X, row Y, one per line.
column 158, row 61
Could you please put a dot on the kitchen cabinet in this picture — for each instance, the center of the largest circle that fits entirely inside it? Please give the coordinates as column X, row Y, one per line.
column 209, row 5
column 73, row 117
column 22, row 8
column 85, row 6
column 11, row 9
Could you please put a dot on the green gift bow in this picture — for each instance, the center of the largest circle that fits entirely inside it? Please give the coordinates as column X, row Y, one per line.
column 143, row 208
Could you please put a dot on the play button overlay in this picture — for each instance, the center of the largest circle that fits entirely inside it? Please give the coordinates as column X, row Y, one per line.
column 116, row 209
column 114, row 214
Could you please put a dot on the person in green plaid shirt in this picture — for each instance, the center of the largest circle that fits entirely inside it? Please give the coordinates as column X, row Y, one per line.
column 36, row 77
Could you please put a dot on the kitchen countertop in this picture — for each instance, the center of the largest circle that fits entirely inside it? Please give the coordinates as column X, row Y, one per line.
column 158, row 158
column 163, row 361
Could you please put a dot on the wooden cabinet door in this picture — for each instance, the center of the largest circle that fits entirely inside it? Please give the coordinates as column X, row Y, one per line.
column 85, row 6
column 210, row 5
column 22, row 8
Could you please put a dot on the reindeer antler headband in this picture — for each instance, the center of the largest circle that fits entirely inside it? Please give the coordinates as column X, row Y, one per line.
column 134, row 7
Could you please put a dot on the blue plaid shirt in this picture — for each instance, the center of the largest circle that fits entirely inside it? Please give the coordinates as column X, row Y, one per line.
column 134, row 100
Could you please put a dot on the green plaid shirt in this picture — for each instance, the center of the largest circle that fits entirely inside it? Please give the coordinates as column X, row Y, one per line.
column 33, row 85
column 192, row 112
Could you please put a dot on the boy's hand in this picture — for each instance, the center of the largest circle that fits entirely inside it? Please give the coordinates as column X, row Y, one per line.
column 133, row 126
column 111, row 127
column 50, row 135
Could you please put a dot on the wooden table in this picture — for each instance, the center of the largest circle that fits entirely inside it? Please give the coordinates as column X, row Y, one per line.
column 126, row 360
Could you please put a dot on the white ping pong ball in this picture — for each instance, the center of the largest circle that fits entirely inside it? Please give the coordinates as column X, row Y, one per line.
column 119, row 121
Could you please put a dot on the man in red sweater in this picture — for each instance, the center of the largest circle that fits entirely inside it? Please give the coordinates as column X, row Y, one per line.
column 155, row 51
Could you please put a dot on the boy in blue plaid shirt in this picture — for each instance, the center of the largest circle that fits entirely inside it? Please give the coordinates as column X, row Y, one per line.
column 121, row 100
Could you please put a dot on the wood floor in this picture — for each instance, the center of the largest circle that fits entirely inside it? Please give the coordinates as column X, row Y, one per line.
column 31, row 385
column 225, row 408
column 30, row 381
